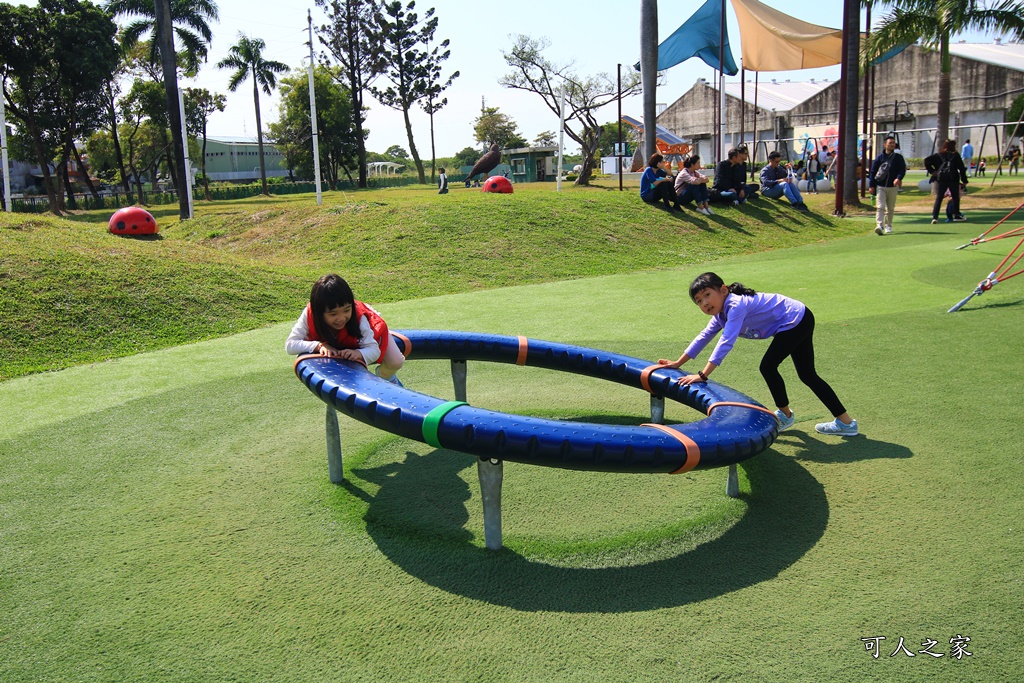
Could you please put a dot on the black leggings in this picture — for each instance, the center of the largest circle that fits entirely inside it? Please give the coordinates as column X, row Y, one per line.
column 663, row 192
column 953, row 207
column 797, row 342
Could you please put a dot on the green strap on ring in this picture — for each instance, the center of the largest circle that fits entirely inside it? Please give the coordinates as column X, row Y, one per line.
column 432, row 421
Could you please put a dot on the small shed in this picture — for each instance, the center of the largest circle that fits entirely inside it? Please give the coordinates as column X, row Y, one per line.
column 532, row 164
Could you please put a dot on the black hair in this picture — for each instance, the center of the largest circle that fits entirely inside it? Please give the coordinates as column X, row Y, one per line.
column 655, row 160
column 328, row 293
column 774, row 155
column 733, row 153
column 713, row 281
column 691, row 160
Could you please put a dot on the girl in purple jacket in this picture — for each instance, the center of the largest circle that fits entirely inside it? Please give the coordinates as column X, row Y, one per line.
column 739, row 311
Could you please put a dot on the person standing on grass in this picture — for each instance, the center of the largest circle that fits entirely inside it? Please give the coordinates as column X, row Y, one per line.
column 442, row 181
column 967, row 153
column 947, row 173
column 1014, row 161
column 778, row 180
column 335, row 325
column 738, row 311
column 655, row 184
column 813, row 166
column 886, row 179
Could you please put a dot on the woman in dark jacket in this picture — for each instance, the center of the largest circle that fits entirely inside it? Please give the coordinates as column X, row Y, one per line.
column 948, row 172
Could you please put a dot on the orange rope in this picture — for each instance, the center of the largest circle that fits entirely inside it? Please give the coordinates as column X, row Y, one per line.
column 692, row 449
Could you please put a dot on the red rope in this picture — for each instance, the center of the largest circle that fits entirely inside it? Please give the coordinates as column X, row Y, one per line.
column 1003, row 262
column 974, row 241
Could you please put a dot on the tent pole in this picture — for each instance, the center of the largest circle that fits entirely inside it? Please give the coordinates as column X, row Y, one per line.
column 743, row 102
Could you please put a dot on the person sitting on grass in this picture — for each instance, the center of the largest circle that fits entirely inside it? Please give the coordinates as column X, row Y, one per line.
column 655, row 184
column 692, row 186
column 729, row 176
column 739, row 311
column 778, row 180
column 335, row 325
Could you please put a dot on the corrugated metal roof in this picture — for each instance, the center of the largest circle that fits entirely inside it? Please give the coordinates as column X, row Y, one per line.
column 1009, row 55
column 780, row 95
column 237, row 139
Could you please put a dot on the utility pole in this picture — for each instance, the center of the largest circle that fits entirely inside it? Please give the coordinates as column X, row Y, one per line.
column 312, row 115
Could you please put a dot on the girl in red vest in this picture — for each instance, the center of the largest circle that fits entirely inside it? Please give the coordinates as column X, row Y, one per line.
column 334, row 324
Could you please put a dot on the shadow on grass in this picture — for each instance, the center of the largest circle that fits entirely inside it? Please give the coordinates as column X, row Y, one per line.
column 979, row 306
column 850, row 449
column 418, row 516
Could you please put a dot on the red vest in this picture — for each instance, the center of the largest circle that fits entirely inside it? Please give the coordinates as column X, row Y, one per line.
column 346, row 341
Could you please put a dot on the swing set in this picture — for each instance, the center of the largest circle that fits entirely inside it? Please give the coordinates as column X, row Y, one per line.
column 1002, row 272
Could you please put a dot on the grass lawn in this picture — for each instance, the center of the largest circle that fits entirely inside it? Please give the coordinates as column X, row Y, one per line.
column 166, row 516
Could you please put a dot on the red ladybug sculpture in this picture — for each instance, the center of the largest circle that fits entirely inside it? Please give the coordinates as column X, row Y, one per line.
column 497, row 183
column 132, row 220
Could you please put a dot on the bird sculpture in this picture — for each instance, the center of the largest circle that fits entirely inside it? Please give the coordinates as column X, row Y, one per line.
column 486, row 163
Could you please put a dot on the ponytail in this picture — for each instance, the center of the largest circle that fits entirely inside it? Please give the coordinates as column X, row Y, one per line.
column 741, row 290
column 713, row 281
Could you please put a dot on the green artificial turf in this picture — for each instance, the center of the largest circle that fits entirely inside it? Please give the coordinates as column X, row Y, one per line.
column 167, row 516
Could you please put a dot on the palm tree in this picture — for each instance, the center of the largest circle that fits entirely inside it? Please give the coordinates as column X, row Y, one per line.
column 246, row 57
column 191, row 26
column 935, row 22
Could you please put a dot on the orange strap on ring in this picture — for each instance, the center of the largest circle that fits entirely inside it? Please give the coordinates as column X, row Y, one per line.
column 692, row 449
column 405, row 340
column 645, row 377
column 742, row 405
column 523, row 347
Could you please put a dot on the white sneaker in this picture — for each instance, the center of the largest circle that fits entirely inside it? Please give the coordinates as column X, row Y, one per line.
column 934, row 221
column 836, row 427
column 878, row 230
column 785, row 422
column 707, row 210
column 888, row 230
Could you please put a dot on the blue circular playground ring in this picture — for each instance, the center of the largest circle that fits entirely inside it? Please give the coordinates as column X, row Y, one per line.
column 736, row 427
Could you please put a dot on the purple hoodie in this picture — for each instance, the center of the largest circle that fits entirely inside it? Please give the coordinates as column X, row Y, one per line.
column 755, row 317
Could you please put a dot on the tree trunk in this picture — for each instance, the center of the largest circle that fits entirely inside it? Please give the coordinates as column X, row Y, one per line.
column 589, row 151
column 172, row 172
column 165, row 39
column 118, row 154
column 137, row 175
column 946, row 66
column 85, row 175
column 259, row 130
column 412, row 148
column 64, row 161
column 433, row 152
column 849, row 124
column 44, row 165
column 649, row 71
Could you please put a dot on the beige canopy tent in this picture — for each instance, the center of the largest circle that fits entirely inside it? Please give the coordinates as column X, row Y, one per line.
column 773, row 41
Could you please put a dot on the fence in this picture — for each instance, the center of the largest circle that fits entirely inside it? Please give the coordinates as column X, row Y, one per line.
column 116, row 200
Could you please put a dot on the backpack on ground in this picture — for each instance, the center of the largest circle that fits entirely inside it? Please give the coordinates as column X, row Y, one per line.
column 947, row 172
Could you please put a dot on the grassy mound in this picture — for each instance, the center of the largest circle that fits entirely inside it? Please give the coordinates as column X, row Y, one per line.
column 73, row 293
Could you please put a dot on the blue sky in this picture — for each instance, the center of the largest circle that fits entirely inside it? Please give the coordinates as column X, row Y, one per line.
column 595, row 35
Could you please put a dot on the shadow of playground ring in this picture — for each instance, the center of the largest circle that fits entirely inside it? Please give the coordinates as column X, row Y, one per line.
column 786, row 516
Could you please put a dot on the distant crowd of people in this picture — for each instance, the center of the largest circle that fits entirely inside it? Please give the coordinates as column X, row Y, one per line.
column 729, row 186
column 947, row 170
